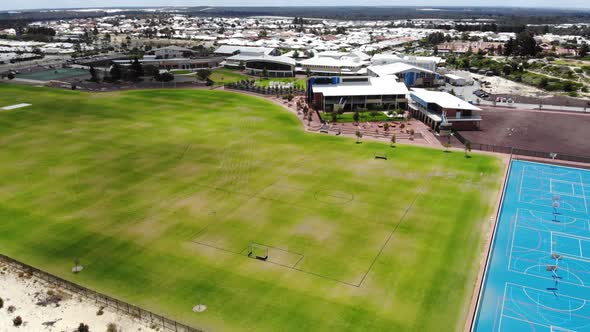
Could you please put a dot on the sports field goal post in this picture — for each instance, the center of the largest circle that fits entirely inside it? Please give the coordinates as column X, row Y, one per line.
column 258, row 251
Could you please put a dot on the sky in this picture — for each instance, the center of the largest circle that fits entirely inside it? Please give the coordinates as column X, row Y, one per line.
column 35, row 4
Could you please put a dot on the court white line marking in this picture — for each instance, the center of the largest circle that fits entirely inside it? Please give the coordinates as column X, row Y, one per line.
column 583, row 191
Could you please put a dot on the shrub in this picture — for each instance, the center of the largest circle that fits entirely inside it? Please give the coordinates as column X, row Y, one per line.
column 83, row 328
column 112, row 327
column 1, row 303
column 18, row 321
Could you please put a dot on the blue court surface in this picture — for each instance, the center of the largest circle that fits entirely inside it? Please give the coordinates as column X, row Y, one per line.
column 538, row 276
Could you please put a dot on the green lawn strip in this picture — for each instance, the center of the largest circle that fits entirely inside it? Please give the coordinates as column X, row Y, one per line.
column 265, row 82
column 127, row 181
column 181, row 71
column 363, row 117
column 223, row 76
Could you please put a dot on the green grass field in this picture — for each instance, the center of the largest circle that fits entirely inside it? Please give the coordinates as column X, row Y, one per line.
column 223, row 76
column 363, row 117
column 181, row 71
column 161, row 193
column 264, row 82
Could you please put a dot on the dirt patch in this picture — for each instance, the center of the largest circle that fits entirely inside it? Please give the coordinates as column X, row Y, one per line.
column 318, row 229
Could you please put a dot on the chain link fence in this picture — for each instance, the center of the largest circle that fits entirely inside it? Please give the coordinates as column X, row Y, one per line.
column 146, row 316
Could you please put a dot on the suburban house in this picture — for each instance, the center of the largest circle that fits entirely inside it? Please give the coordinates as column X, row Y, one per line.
column 351, row 92
column 435, row 108
column 455, row 80
column 410, row 75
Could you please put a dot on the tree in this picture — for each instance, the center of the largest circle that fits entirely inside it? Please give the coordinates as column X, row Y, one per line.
column 392, row 140
column 356, row 116
column 359, row 135
column 204, row 74
column 165, row 77
column 467, row 148
column 386, row 126
column 583, row 50
column 334, row 115
column 136, row 69
column 264, row 72
column 509, row 47
column 525, row 45
column 93, row 74
column 116, row 72
column 447, row 145
column 83, row 328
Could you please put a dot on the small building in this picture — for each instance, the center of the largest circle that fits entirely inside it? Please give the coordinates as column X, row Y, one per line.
column 435, row 108
column 455, row 80
column 170, row 52
column 410, row 75
column 351, row 92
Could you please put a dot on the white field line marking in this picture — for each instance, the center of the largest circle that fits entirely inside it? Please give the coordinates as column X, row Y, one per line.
column 12, row 107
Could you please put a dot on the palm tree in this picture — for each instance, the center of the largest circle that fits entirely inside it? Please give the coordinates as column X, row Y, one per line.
column 359, row 135
column 467, row 149
column 447, row 145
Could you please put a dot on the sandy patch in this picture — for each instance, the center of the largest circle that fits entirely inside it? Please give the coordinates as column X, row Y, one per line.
column 46, row 308
column 315, row 228
column 501, row 85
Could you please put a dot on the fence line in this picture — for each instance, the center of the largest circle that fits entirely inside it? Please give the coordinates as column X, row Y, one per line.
column 146, row 316
column 549, row 156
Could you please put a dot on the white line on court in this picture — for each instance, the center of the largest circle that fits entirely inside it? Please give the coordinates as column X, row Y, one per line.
column 583, row 191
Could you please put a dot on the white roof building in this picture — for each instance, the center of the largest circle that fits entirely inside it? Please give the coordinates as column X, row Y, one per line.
column 426, row 62
column 394, row 69
column 373, row 86
column 443, row 99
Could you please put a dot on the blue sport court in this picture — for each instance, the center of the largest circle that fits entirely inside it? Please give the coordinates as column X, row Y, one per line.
column 538, row 273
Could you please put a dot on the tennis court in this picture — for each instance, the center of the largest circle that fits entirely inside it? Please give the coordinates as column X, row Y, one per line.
column 54, row 74
column 538, row 276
